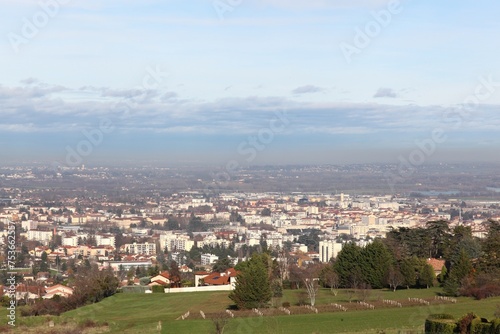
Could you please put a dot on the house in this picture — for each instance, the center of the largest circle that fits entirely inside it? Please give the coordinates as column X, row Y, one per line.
column 437, row 265
column 42, row 276
column 29, row 292
column 162, row 278
column 126, row 265
column 58, row 290
column 225, row 278
column 185, row 269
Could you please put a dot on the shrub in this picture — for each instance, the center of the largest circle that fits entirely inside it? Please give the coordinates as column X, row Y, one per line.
column 464, row 324
column 286, row 304
column 302, row 298
column 287, row 284
column 87, row 323
column 158, row 289
column 440, row 327
column 495, row 326
column 479, row 327
column 468, row 324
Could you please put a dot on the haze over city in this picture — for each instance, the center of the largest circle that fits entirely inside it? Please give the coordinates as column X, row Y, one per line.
column 194, row 82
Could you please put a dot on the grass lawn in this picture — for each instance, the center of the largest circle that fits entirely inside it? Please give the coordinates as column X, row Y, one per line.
column 140, row 313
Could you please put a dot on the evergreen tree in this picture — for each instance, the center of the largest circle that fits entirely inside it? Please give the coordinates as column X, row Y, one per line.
column 408, row 268
column 253, row 288
column 490, row 260
column 221, row 265
column 376, row 260
column 44, row 266
column 458, row 272
column 348, row 264
column 440, row 237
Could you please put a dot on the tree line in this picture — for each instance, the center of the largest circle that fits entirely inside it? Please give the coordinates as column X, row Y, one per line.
column 471, row 266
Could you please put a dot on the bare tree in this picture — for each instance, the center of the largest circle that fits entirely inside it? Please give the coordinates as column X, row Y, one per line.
column 312, row 287
column 283, row 265
column 220, row 321
column 364, row 291
column 331, row 279
column 394, row 278
column 350, row 293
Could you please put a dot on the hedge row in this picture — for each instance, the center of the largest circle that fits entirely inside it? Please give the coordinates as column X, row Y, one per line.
column 439, row 326
column 445, row 324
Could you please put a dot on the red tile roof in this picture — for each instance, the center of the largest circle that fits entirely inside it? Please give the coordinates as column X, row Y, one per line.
column 436, row 264
column 216, row 279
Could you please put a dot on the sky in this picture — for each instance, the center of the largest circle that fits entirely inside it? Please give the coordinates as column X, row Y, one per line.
column 249, row 81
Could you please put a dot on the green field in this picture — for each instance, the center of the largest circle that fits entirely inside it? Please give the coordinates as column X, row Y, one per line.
column 140, row 313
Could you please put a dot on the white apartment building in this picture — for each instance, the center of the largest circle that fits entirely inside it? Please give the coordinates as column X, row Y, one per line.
column 328, row 249
column 183, row 243
column 126, row 265
column 70, row 241
column 312, row 210
column 105, row 240
column 212, row 241
column 43, row 236
column 29, row 225
column 207, row 259
column 274, row 240
column 369, row 220
column 176, row 242
column 145, row 248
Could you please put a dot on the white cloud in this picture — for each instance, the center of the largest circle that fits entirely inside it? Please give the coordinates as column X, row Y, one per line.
column 307, row 89
column 49, row 108
column 385, row 92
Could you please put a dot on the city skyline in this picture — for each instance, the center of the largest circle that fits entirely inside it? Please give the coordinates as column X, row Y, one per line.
column 258, row 82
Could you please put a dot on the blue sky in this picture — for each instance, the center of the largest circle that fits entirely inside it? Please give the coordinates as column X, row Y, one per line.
column 195, row 81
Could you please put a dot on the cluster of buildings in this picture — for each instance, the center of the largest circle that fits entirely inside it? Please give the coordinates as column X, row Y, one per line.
column 123, row 236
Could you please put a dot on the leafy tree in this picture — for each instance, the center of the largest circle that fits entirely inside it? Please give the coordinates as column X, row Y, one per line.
column 252, row 285
column 440, row 236
column 196, row 225
column 171, row 224
column 153, row 271
column 266, row 212
column 235, row 217
column 175, row 274
column 427, row 276
column 92, row 285
column 195, row 254
column 221, row 265
column 311, row 240
column 443, row 275
column 405, row 242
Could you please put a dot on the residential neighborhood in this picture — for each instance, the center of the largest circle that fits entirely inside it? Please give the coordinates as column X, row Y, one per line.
column 197, row 233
